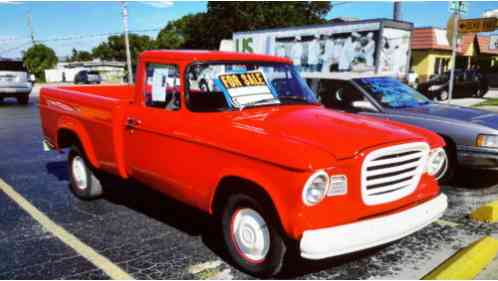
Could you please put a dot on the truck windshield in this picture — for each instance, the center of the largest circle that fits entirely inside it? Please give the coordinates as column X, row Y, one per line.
column 226, row 86
column 392, row 93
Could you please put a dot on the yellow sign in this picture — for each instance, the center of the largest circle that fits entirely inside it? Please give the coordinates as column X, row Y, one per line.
column 239, row 80
column 477, row 25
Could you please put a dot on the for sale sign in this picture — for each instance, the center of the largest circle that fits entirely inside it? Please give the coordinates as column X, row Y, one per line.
column 247, row 88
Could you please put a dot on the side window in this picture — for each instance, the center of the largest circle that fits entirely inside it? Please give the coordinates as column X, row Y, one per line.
column 162, row 86
column 341, row 95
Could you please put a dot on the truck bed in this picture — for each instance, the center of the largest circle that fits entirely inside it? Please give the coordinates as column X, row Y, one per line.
column 94, row 112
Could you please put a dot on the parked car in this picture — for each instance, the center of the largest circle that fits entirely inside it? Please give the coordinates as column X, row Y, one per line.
column 492, row 76
column 471, row 135
column 258, row 152
column 87, row 77
column 15, row 81
column 468, row 83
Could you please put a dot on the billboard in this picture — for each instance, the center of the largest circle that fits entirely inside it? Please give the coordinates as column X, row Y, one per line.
column 349, row 47
column 493, row 42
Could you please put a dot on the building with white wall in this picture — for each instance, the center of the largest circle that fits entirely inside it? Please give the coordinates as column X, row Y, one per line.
column 110, row 71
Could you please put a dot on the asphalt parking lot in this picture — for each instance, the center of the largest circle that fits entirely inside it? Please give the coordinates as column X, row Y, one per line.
column 152, row 237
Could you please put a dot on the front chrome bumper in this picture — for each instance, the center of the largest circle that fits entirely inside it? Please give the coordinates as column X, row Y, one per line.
column 14, row 91
column 343, row 239
column 478, row 157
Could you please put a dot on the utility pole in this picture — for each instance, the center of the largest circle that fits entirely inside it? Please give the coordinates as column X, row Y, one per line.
column 30, row 26
column 397, row 10
column 457, row 8
column 453, row 55
column 127, row 42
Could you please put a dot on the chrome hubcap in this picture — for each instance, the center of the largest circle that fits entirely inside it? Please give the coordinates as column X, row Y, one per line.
column 250, row 234
column 444, row 95
column 79, row 172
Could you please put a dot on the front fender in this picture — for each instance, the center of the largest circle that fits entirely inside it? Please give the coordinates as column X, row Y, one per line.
column 284, row 188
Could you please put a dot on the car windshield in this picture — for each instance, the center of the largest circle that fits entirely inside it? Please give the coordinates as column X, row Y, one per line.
column 12, row 66
column 392, row 93
column 228, row 86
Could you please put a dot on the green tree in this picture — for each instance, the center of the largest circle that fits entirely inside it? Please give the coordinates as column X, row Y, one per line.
column 114, row 47
column 173, row 35
column 222, row 19
column 38, row 58
column 80, row 55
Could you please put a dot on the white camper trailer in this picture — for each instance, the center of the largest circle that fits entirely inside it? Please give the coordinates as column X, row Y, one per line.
column 376, row 46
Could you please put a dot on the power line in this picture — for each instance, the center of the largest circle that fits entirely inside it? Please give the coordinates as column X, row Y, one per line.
column 77, row 37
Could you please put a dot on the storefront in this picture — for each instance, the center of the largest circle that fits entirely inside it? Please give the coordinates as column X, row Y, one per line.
column 431, row 52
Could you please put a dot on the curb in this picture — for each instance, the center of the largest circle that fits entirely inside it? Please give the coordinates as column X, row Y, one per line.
column 466, row 263
column 486, row 213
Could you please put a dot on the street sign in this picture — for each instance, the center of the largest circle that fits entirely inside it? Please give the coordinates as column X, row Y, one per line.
column 459, row 7
column 477, row 25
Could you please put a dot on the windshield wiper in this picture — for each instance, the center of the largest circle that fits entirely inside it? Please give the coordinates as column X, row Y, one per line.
column 266, row 101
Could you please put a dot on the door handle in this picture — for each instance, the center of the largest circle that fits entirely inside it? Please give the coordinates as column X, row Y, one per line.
column 133, row 123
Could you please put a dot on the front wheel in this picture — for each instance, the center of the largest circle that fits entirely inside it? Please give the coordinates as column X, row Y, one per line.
column 451, row 165
column 252, row 236
column 84, row 184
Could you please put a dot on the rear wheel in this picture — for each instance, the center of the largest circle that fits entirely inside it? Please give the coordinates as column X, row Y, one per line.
column 84, row 184
column 23, row 99
column 252, row 236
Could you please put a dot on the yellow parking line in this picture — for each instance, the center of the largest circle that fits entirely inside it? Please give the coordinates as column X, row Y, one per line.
column 111, row 269
column 468, row 262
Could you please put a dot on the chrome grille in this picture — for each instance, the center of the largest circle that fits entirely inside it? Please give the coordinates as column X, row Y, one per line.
column 393, row 172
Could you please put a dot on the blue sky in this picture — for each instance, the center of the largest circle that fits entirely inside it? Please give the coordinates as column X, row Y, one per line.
column 71, row 19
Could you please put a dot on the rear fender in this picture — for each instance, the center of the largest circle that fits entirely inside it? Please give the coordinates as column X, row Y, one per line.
column 72, row 124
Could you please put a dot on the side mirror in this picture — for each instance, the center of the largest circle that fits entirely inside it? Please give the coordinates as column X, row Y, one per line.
column 364, row 106
column 32, row 78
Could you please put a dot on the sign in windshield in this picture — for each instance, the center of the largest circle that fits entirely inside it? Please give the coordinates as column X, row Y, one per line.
column 392, row 93
column 247, row 88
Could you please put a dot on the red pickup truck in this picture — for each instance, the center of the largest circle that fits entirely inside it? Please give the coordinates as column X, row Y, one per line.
column 254, row 148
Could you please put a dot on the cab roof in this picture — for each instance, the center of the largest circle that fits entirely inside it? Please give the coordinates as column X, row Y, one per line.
column 201, row 55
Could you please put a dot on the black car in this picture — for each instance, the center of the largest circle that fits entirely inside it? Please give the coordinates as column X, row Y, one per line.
column 468, row 83
column 87, row 77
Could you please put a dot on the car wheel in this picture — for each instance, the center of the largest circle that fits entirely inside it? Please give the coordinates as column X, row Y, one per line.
column 84, row 183
column 452, row 164
column 23, row 99
column 252, row 236
column 482, row 92
column 444, row 95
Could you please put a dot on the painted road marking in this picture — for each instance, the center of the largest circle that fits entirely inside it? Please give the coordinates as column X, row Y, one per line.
column 467, row 263
column 111, row 269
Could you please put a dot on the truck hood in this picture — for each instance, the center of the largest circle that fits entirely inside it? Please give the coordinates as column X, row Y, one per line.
column 342, row 135
column 453, row 112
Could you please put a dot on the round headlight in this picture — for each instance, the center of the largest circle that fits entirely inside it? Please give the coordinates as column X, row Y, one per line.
column 316, row 188
column 437, row 163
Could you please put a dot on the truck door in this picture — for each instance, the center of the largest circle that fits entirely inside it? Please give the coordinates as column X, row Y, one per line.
column 149, row 129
